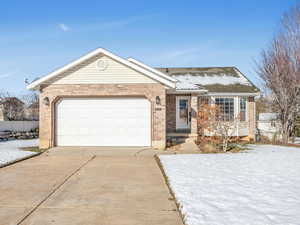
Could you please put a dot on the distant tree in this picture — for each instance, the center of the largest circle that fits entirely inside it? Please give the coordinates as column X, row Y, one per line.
column 31, row 109
column 265, row 104
column 13, row 108
column 279, row 69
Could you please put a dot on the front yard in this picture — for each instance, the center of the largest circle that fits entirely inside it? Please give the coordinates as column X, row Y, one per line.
column 10, row 151
column 258, row 186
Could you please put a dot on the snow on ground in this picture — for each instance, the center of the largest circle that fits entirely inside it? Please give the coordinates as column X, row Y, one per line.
column 297, row 140
column 10, row 150
column 256, row 187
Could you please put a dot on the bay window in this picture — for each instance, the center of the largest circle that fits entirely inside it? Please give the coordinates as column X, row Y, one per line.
column 225, row 108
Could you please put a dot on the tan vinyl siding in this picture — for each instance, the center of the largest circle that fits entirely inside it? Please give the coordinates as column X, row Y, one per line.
column 88, row 73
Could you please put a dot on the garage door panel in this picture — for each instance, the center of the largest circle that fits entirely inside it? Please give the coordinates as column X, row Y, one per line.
column 103, row 122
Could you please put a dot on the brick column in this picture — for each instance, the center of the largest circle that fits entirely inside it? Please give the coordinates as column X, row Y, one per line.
column 194, row 111
column 251, row 117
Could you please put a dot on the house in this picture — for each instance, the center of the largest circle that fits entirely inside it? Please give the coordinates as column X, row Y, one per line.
column 102, row 99
column 2, row 114
column 11, row 108
column 269, row 126
column 32, row 112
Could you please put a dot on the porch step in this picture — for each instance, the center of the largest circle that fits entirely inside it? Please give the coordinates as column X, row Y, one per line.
column 183, row 135
column 181, row 140
column 189, row 147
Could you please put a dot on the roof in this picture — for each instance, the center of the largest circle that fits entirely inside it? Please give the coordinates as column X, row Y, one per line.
column 268, row 116
column 140, row 67
column 10, row 100
column 212, row 79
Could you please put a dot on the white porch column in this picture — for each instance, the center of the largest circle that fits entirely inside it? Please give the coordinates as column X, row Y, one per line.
column 194, row 112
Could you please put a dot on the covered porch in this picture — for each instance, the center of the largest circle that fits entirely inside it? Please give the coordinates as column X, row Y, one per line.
column 181, row 115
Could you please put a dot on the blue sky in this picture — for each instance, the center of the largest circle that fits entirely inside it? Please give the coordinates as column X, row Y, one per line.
column 38, row 36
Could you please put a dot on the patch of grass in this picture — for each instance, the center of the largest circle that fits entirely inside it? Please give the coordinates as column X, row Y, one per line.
column 237, row 147
column 211, row 147
column 33, row 149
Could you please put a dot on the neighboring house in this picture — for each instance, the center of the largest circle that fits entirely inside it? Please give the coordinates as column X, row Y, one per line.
column 268, row 125
column 32, row 112
column 102, row 99
column 2, row 114
column 12, row 108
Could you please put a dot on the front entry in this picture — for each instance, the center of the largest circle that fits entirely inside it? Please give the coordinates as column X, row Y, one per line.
column 183, row 113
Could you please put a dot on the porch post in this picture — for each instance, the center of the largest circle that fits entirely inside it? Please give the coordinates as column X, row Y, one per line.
column 194, row 111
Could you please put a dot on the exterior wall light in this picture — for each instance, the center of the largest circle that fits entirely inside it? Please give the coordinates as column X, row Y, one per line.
column 157, row 100
column 46, row 101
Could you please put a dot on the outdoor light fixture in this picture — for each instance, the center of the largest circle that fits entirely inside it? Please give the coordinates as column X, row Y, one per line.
column 157, row 99
column 46, row 101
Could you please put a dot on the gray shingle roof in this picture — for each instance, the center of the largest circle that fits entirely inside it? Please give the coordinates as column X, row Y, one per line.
column 213, row 79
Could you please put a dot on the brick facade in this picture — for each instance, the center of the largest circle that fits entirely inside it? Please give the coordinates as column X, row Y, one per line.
column 171, row 113
column 251, row 117
column 149, row 91
column 194, row 112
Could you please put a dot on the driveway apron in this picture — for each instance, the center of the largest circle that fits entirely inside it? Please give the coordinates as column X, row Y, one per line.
column 87, row 186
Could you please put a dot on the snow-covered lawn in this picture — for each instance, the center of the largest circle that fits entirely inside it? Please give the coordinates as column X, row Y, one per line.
column 256, row 187
column 10, row 150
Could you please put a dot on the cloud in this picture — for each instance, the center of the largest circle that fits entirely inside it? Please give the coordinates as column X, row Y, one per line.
column 189, row 55
column 118, row 23
column 8, row 74
column 180, row 53
column 64, row 27
column 105, row 25
column 113, row 24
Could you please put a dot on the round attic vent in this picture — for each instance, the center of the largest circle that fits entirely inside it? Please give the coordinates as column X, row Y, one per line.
column 102, row 64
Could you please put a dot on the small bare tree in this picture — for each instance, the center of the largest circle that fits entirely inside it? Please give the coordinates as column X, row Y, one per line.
column 279, row 69
column 211, row 123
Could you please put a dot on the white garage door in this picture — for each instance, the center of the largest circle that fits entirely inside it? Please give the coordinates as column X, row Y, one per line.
column 103, row 122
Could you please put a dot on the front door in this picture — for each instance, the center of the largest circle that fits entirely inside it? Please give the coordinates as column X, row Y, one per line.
column 183, row 112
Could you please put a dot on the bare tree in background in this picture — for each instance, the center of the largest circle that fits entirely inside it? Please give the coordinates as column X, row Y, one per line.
column 12, row 106
column 31, row 111
column 279, row 68
column 25, row 107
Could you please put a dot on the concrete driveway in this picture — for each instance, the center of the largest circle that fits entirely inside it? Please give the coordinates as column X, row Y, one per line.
column 87, row 186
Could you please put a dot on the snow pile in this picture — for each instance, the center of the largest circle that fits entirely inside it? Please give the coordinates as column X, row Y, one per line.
column 10, row 150
column 190, row 81
column 258, row 187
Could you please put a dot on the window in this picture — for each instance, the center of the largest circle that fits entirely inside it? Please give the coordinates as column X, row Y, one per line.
column 243, row 102
column 183, row 109
column 203, row 101
column 225, row 109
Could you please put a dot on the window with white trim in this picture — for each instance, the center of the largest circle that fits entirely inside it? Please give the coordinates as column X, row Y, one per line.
column 225, row 107
column 243, row 108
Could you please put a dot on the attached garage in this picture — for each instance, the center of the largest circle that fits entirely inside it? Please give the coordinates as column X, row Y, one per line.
column 101, row 99
column 108, row 121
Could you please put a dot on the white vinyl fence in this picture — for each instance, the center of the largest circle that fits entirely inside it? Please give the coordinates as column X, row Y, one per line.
column 18, row 125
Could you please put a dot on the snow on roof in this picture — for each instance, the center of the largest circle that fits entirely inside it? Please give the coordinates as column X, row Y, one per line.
column 192, row 81
column 215, row 79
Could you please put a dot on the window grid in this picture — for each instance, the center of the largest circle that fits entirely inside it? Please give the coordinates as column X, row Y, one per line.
column 243, row 102
column 226, row 109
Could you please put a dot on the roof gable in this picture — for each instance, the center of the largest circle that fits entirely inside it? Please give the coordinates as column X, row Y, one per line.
column 52, row 77
column 88, row 72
